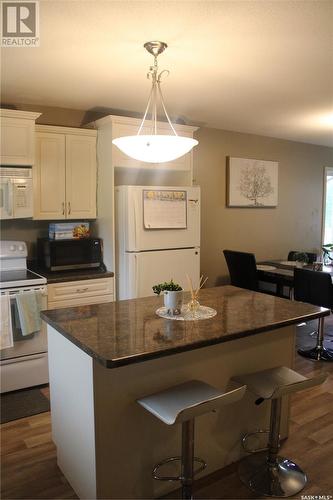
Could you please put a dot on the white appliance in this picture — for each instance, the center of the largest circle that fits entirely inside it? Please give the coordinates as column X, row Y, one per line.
column 25, row 363
column 16, row 196
column 157, row 237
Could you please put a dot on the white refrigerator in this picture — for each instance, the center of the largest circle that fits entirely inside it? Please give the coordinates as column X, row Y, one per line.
column 157, row 238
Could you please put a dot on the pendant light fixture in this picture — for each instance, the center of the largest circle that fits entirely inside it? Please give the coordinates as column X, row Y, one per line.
column 155, row 147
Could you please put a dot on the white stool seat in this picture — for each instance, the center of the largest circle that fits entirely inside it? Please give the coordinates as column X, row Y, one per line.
column 188, row 400
column 276, row 382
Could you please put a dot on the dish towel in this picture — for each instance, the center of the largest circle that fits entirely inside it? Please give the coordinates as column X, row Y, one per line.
column 29, row 307
column 6, row 332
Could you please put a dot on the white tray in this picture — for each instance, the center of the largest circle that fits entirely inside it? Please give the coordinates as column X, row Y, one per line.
column 202, row 313
column 263, row 267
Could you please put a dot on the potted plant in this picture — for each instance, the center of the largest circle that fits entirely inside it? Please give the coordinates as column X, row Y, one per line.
column 173, row 296
column 301, row 257
column 328, row 249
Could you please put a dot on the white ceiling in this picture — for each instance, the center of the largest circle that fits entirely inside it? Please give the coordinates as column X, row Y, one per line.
column 264, row 67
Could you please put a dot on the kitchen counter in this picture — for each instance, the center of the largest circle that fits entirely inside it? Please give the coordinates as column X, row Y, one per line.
column 106, row 443
column 129, row 331
column 77, row 275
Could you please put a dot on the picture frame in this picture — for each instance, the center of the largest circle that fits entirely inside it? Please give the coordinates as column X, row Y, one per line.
column 252, row 183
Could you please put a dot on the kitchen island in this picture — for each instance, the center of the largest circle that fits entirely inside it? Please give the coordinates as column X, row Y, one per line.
column 103, row 357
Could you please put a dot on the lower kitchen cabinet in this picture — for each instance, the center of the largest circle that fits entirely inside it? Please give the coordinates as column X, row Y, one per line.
column 79, row 293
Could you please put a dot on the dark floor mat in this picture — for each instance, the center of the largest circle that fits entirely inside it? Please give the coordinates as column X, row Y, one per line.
column 22, row 403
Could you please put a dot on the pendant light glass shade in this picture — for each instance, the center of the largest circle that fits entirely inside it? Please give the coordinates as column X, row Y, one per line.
column 155, row 147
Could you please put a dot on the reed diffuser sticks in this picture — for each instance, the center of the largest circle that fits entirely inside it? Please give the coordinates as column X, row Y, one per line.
column 195, row 292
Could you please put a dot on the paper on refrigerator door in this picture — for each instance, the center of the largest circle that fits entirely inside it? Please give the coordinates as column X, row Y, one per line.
column 164, row 209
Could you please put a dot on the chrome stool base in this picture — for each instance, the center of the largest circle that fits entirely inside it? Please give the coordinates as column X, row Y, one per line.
column 317, row 353
column 284, row 478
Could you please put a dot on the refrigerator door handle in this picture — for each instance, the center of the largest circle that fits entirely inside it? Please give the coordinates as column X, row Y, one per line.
column 135, row 209
column 136, row 277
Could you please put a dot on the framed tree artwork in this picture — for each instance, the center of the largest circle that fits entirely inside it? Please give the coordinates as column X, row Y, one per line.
column 252, row 183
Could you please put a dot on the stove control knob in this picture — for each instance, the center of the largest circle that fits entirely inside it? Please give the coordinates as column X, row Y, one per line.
column 12, row 248
column 21, row 248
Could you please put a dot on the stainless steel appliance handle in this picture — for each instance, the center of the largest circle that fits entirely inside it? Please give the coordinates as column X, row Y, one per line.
column 15, row 291
column 10, row 189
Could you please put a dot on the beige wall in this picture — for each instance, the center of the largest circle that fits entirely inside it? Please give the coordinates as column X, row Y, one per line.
column 24, row 230
column 269, row 233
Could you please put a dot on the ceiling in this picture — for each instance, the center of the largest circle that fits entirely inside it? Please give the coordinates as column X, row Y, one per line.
column 264, row 67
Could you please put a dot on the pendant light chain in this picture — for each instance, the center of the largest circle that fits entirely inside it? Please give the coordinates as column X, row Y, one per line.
column 152, row 99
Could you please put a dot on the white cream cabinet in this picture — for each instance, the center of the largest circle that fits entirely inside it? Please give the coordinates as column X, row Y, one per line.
column 65, row 172
column 17, row 137
column 80, row 293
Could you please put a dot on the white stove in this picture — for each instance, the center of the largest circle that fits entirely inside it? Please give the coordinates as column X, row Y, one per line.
column 23, row 358
column 13, row 266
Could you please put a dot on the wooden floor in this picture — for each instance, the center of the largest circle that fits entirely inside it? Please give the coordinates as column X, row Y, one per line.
column 29, row 467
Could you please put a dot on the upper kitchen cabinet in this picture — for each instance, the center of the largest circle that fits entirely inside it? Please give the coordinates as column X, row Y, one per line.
column 120, row 126
column 65, row 173
column 17, row 137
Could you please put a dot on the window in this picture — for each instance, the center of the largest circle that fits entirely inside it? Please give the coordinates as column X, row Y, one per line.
column 328, row 207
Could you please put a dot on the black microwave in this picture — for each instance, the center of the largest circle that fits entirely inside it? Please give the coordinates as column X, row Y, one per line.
column 63, row 255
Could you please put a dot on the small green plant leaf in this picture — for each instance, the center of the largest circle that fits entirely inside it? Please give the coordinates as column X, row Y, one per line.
column 170, row 286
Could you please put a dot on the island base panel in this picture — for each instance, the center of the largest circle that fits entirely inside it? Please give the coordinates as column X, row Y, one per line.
column 126, row 441
column 72, row 413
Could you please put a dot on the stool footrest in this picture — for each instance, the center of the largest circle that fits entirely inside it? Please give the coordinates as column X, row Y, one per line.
column 198, row 460
column 247, row 436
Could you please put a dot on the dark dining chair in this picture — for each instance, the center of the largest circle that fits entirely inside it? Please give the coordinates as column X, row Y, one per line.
column 312, row 257
column 316, row 288
column 242, row 269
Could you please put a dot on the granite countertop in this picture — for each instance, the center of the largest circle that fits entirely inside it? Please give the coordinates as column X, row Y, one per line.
column 129, row 331
column 77, row 275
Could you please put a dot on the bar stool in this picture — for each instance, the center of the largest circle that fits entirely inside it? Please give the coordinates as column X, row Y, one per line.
column 264, row 471
column 315, row 288
column 181, row 404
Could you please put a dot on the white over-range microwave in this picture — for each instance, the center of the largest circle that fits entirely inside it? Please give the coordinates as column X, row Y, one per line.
column 16, row 195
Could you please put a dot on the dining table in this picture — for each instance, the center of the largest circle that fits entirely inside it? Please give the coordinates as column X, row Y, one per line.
column 281, row 273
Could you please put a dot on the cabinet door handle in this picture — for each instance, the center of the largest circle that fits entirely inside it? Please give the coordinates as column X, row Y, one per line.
column 81, row 290
column 63, row 208
column 69, row 208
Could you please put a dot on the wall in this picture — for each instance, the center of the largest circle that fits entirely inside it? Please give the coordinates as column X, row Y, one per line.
column 59, row 116
column 269, row 233
column 29, row 230
column 24, row 230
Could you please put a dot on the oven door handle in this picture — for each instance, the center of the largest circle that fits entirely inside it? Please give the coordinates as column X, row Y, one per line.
column 15, row 291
